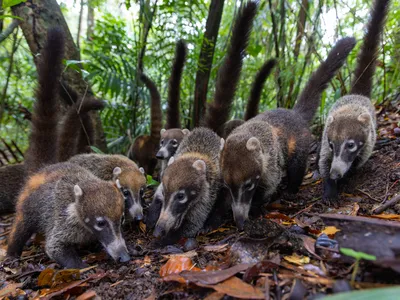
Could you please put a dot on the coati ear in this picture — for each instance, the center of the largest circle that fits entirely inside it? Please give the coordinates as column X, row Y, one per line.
column 116, row 172
column 171, row 160
column 200, row 165
column 163, row 130
column 329, row 120
column 118, row 183
column 221, row 147
column 253, row 144
column 185, row 131
column 364, row 118
column 141, row 170
column 78, row 191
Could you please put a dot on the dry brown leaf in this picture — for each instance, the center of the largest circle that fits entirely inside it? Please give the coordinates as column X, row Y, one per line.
column 142, row 227
column 355, row 210
column 177, row 264
column 297, row 259
column 235, row 287
column 9, row 289
column 330, row 231
column 88, row 295
column 215, row 296
column 387, row 217
column 52, row 278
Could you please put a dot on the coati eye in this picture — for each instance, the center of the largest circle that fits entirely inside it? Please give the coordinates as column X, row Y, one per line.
column 351, row 145
column 249, row 186
column 174, row 143
column 141, row 192
column 101, row 223
column 126, row 192
column 180, row 196
column 331, row 145
column 162, row 142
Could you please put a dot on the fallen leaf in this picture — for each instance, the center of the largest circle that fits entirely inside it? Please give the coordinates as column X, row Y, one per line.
column 281, row 218
column 355, row 210
column 330, row 231
column 10, row 288
column 213, row 277
column 221, row 229
column 50, row 277
column 387, row 217
column 261, row 267
column 175, row 265
column 142, row 227
column 297, row 259
column 87, row 295
column 309, row 245
column 235, row 287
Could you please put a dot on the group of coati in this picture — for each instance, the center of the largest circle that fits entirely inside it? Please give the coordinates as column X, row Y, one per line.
column 76, row 199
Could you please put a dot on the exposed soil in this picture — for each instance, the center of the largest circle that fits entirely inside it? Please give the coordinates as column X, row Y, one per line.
column 284, row 241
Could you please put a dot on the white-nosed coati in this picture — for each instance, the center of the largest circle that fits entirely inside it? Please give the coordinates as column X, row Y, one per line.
column 350, row 130
column 12, row 179
column 132, row 181
column 64, row 201
column 254, row 99
column 145, row 147
column 172, row 135
column 191, row 181
column 258, row 153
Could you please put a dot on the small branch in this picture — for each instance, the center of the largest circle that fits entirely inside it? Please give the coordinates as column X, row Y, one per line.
column 368, row 195
column 388, row 204
column 14, row 24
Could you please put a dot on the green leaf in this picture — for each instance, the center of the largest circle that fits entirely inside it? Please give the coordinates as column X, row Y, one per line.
column 11, row 16
column 69, row 62
column 151, row 181
column 9, row 3
column 372, row 294
column 357, row 255
column 96, row 150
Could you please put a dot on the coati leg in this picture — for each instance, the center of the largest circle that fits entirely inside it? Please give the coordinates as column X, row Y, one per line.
column 154, row 212
column 295, row 173
column 64, row 254
column 20, row 234
column 331, row 191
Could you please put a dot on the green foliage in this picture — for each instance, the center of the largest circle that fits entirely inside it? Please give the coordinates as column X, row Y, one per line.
column 151, row 181
column 9, row 3
column 357, row 255
column 96, row 150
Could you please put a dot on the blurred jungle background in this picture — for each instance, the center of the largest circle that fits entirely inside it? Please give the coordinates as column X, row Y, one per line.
column 111, row 39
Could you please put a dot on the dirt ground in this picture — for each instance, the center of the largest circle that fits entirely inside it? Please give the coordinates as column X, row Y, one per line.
column 291, row 252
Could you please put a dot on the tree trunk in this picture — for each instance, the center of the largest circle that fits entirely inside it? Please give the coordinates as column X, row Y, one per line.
column 206, row 59
column 78, row 35
column 38, row 16
column 90, row 22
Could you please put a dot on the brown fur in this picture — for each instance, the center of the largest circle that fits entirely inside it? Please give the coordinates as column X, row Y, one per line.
column 12, row 179
column 43, row 139
column 144, row 149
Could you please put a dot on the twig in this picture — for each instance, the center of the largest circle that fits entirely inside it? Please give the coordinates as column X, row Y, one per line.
column 14, row 24
column 5, row 233
column 303, row 210
column 388, row 204
column 31, row 256
column 369, row 196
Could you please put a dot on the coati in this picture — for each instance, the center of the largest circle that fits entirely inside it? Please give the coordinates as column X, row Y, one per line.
column 189, row 187
column 69, row 143
column 145, row 147
column 258, row 153
column 254, row 99
column 12, row 179
column 64, row 201
column 350, row 131
column 172, row 135
column 132, row 181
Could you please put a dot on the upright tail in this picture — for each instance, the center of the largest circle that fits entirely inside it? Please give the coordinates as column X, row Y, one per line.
column 76, row 117
column 155, row 109
column 173, row 113
column 256, row 89
column 229, row 73
column 362, row 82
column 309, row 99
column 42, row 149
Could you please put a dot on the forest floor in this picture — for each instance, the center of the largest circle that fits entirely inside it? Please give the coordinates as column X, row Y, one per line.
column 294, row 251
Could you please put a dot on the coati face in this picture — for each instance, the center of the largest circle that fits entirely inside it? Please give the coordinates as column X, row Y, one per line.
column 242, row 166
column 170, row 140
column 132, row 184
column 346, row 138
column 183, row 185
column 99, row 206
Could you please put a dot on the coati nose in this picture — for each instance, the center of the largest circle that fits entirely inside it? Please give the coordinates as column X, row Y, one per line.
column 239, row 222
column 160, row 155
column 139, row 217
column 335, row 175
column 158, row 231
column 124, row 257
